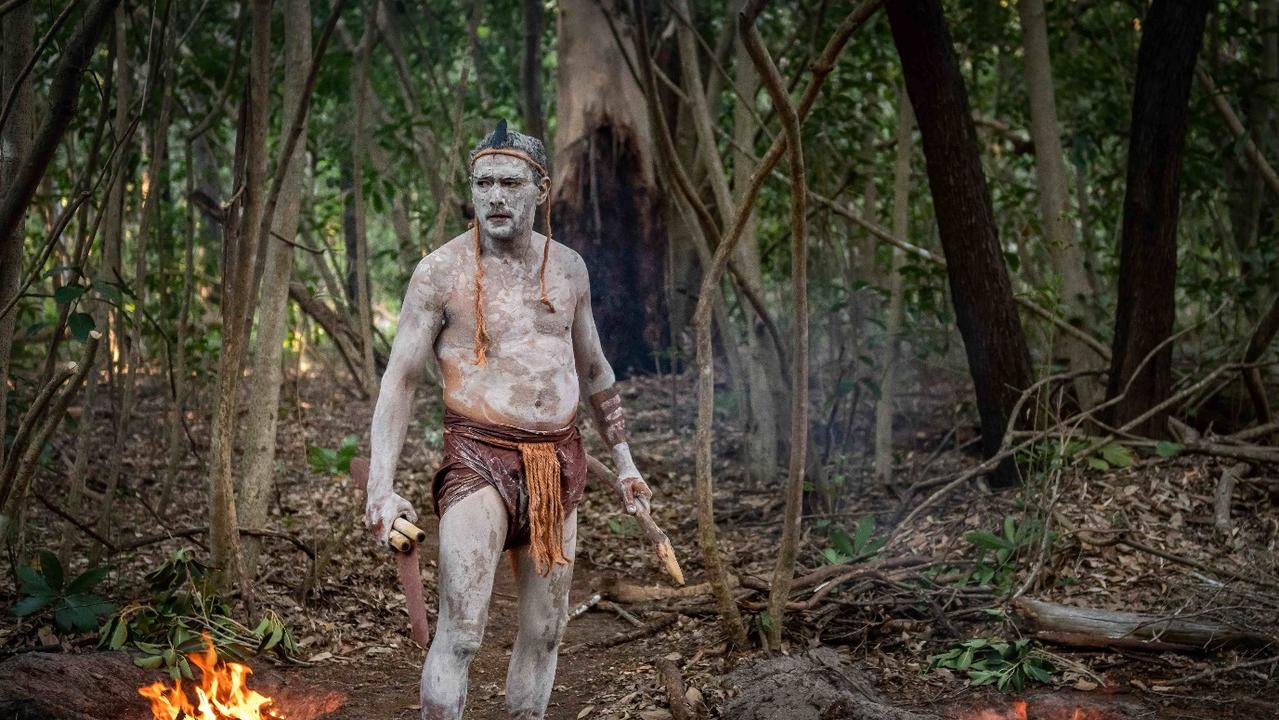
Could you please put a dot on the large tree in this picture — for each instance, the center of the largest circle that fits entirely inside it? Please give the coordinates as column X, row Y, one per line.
column 606, row 197
column 1141, row 364
column 980, row 288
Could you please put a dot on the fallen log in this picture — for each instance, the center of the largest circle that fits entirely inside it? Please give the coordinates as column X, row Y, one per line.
column 1096, row 628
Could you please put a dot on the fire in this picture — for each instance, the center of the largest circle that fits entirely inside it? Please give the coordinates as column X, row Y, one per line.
column 221, row 695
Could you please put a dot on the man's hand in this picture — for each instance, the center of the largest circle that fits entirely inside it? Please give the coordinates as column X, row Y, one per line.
column 381, row 511
column 634, row 494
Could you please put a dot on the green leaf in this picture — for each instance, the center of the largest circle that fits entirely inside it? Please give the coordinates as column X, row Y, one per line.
column 51, row 568
column 1165, row 449
column 834, row 557
column 87, row 580
column 862, row 534
column 987, row 540
column 119, row 635
column 150, row 662
column 1097, row 463
column 843, row 544
column 31, row 604
column 32, row 582
column 67, row 294
column 108, row 292
column 81, row 325
column 1117, row 455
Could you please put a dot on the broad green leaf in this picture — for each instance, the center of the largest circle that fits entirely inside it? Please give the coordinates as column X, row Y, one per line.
column 1165, row 449
column 32, row 582
column 119, row 635
column 1117, row 455
column 150, row 662
column 30, row 604
column 81, row 324
column 67, row 293
column 842, row 543
column 87, row 580
column 1097, row 463
column 863, row 532
column 51, row 568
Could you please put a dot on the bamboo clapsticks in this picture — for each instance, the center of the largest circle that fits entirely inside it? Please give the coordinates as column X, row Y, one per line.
column 404, row 534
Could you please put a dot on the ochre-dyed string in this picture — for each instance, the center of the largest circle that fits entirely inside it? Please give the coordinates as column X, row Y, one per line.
column 481, row 334
column 545, row 507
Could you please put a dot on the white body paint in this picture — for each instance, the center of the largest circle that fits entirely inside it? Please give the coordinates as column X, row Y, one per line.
column 539, row 365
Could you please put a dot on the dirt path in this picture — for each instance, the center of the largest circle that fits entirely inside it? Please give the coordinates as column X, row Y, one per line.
column 389, row 689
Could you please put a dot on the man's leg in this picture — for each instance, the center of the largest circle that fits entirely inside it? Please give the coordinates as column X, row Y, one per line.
column 472, row 533
column 543, row 613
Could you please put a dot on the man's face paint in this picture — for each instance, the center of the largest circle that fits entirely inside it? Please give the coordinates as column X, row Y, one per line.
column 506, row 194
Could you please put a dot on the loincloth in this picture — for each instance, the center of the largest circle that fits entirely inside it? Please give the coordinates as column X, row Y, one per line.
column 479, row 454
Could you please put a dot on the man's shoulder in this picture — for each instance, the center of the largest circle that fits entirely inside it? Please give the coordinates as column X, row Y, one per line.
column 442, row 258
column 566, row 256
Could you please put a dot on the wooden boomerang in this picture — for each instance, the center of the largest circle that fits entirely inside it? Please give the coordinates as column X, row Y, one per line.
column 407, row 564
column 661, row 543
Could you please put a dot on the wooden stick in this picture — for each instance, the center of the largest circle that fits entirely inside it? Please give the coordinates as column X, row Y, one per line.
column 660, row 542
column 673, row 681
column 1225, row 491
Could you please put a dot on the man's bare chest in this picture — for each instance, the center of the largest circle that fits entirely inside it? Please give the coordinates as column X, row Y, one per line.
column 512, row 306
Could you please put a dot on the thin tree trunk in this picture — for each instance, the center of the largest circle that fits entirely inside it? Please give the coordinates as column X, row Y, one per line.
column 896, row 293
column 18, row 36
column 1171, row 36
column 176, row 441
column 531, row 69
column 240, row 254
column 363, row 303
column 1066, row 254
column 262, row 414
column 150, row 209
column 998, row 357
column 784, row 572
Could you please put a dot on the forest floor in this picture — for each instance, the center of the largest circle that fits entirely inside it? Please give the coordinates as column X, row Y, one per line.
column 885, row 625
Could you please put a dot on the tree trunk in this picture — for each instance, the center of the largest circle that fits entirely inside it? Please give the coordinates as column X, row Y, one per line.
column 606, row 198
column 1171, row 36
column 980, row 289
column 363, row 302
column 18, row 34
column 896, row 293
column 1064, row 250
column 260, row 423
column 240, row 252
column 531, row 70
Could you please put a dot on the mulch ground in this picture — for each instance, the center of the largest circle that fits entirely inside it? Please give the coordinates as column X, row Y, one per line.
column 353, row 630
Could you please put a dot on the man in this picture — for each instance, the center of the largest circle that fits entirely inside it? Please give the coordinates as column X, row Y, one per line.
column 507, row 313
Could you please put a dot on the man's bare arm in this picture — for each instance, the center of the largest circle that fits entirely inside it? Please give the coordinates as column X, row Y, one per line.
column 421, row 318
column 599, row 389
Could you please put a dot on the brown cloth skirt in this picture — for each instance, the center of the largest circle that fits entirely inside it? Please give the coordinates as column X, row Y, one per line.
column 477, row 454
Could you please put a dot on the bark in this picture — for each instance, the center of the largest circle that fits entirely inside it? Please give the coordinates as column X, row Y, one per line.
column 531, row 70
column 240, row 253
column 175, row 444
column 263, row 412
column 150, row 208
column 765, row 390
column 981, row 292
column 1064, row 250
column 363, row 302
column 1171, row 37
column 784, row 572
column 1262, row 336
column 606, row 197
column 896, row 293
column 18, row 36
column 1092, row 627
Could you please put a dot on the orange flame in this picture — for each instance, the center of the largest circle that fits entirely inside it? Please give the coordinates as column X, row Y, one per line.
column 221, row 695
column 1019, row 707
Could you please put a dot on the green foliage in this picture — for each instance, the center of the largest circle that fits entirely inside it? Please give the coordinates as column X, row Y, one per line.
column 1006, row 665
column 330, row 461
column 625, row 526
column 847, row 548
column 183, row 615
column 997, row 557
column 75, row 607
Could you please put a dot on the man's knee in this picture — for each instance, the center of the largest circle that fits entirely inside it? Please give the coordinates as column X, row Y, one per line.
column 462, row 643
column 544, row 633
